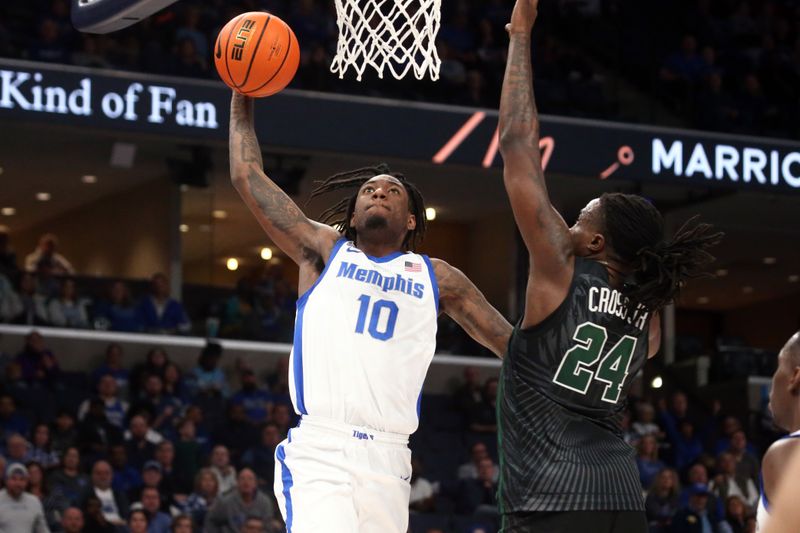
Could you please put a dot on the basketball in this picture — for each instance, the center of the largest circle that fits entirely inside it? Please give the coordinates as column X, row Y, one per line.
column 256, row 54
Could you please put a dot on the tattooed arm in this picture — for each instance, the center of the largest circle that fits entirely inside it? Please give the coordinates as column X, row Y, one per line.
column 304, row 240
column 544, row 231
column 461, row 300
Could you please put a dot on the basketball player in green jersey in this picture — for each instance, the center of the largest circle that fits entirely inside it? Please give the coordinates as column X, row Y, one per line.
column 593, row 296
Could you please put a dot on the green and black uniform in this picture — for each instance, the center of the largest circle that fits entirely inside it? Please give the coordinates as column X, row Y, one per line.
column 564, row 384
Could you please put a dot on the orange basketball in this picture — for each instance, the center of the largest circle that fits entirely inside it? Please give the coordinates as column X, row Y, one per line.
column 256, row 54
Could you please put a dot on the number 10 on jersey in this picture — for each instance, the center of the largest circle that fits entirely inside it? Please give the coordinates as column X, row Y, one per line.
column 376, row 311
column 575, row 372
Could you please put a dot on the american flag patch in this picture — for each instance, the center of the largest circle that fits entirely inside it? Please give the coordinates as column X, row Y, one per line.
column 413, row 267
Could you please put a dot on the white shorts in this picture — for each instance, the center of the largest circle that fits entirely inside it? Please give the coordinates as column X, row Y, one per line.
column 336, row 478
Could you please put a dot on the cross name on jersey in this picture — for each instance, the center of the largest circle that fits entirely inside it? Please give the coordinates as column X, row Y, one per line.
column 396, row 283
column 612, row 302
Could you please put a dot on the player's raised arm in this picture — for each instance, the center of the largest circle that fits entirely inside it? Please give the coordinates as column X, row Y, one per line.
column 461, row 300
column 302, row 239
column 544, row 231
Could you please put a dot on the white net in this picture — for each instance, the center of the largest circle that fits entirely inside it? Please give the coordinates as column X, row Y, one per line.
column 398, row 35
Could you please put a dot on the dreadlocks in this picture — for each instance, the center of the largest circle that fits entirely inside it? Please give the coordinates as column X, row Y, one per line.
column 340, row 213
column 635, row 231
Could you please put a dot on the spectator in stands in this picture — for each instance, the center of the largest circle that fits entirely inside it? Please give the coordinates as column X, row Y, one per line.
column 469, row 470
column 694, row 518
column 647, row 460
column 188, row 456
column 726, row 484
column 140, row 442
column 112, row 366
column 20, row 511
column 201, row 434
column 257, row 402
column 206, row 489
column 114, row 408
column 161, row 408
column 96, row 434
column 686, row 445
column 41, row 451
column 736, row 515
column 68, row 310
column 155, row 364
column 677, row 412
column 182, row 524
column 114, row 505
column 38, row 363
column 483, row 417
column 174, row 387
column 221, row 467
column 662, row 500
column 160, row 313
column 151, row 478
column 50, row 46
column 126, row 479
column 72, row 520
column 95, row 518
column 157, row 520
column 261, row 457
column 645, row 425
column 421, row 499
column 209, row 378
column 69, row 480
column 478, row 494
column 31, row 307
column 65, row 434
column 17, row 449
column 118, row 313
column 46, row 254
column 53, row 501
column 11, row 420
column 230, row 511
column 137, row 521
column 730, row 425
column 165, row 457
column 747, row 464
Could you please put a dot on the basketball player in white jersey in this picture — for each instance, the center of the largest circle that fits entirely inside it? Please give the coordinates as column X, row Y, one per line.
column 784, row 402
column 365, row 335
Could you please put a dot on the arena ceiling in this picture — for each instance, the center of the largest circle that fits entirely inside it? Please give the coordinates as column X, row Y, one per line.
column 759, row 260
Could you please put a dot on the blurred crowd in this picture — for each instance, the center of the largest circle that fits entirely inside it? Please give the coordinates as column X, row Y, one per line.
column 45, row 291
column 171, row 445
column 151, row 448
column 726, row 65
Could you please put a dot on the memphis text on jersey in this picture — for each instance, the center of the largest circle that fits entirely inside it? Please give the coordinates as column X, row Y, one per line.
column 612, row 302
column 373, row 277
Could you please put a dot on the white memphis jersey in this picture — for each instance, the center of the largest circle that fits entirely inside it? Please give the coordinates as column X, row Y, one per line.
column 364, row 338
column 762, row 512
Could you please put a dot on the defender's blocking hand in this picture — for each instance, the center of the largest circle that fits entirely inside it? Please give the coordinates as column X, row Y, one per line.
column 523, row 16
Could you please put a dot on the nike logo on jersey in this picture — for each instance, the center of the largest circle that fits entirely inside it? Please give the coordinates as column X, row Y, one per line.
column 352, row 250
column 397, row 283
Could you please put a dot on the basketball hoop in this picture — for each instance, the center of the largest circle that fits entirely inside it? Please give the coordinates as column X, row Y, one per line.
column 398, row 35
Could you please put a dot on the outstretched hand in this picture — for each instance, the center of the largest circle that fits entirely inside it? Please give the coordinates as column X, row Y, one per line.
column 523, row 16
